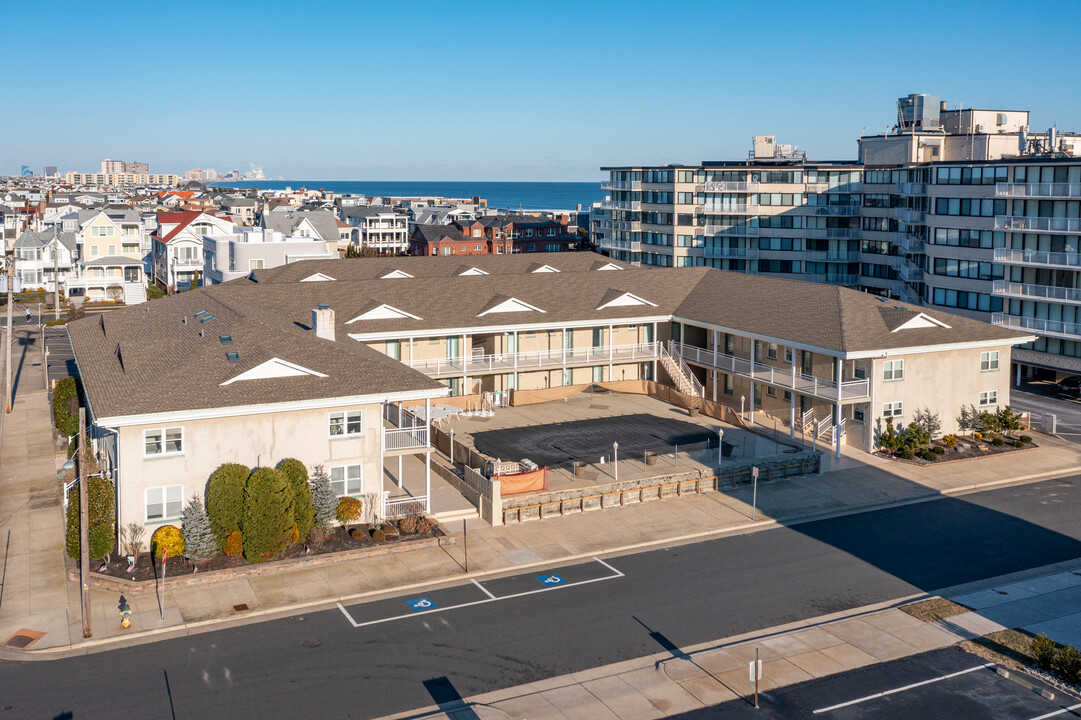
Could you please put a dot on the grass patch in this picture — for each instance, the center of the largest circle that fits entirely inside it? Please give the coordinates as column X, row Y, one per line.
column 1012, row 648
column 934, row 609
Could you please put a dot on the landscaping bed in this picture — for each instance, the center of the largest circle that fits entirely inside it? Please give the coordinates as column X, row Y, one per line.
column 965, row 449
column 321, row 549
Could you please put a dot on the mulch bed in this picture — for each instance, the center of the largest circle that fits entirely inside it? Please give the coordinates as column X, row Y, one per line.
column 337, row 540
column 966, row 449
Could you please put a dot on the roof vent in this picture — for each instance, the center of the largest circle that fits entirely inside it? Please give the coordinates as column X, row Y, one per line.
column 205, row 318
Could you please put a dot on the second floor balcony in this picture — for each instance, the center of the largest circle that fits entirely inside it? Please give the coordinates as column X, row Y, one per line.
column 525, row 361
column 1026, row 291
column 1038, row 224
column 1038, row 190
column 1039, row 258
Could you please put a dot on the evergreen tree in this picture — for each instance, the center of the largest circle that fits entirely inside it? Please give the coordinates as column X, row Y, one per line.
column 268, row 514
column 225, row 500
column 199, row 541
column 303, row 510
column 324, row 500
column 101, row 511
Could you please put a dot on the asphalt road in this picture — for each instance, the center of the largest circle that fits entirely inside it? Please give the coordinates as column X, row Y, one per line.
column 948, row 683
column 1043, row 399
column 323, row 666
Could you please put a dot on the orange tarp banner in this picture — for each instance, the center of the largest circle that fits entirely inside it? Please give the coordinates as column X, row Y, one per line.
column 533, row 481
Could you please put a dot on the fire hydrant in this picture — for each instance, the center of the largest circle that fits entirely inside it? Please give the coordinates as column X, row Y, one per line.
column 125, row 613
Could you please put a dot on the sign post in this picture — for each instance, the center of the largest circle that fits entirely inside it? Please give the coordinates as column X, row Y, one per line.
column 164, row 557
column 755, row 671
column 754, row 495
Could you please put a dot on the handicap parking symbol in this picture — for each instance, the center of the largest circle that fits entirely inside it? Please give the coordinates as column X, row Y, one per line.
column 420, row 604
column 550, row 580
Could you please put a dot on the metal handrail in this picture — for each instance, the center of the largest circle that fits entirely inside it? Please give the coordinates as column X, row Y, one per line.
column 1044, row 224
column 541, row 358
column 1042, row 190
column 1043, row 292
column 1038, row 257
column 1070, row 331
column 696, row 384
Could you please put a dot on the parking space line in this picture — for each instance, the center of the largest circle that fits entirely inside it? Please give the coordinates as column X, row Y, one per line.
column 347, row 615
column 1060, row 711
column 484, row 589
column 884, row 693
column 491, row 598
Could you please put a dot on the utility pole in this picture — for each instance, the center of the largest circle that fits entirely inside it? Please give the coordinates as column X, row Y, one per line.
column 11, row 301
column 56, row 275
column 84, row 528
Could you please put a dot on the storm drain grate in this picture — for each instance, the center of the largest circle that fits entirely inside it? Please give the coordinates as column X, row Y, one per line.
column 241, row 607
column 24, row 638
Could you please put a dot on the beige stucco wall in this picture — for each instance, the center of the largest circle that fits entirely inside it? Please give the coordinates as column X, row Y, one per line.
column 252, row 440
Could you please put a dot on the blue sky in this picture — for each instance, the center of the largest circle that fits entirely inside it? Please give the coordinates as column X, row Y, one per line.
column 503, row 90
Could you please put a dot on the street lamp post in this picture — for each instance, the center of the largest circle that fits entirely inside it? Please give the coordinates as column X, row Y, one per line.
column 615, row 459
column 452, row 448
column 720, row 445
column 742, row 401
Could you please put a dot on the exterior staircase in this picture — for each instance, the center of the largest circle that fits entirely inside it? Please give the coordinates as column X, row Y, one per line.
column 684, row 380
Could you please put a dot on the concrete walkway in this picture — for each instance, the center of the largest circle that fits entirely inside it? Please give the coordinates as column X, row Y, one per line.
column 680, row 680
column 35, row 594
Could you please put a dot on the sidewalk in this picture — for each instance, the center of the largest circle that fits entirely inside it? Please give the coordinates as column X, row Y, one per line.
column 685, row 679
column 35, row 594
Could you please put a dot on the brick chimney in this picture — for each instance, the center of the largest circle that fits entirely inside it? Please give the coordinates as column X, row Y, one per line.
column 323, row 322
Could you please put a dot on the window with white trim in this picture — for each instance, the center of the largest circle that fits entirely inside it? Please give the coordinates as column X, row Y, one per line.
column 988, row 398
column 893, row 370
column 893, row 409
column 989, row 360
column 347, row 480
column 164, row 503
column 349, row 423
column 160, row 442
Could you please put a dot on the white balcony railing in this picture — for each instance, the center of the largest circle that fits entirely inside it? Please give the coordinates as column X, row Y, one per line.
column 1038, row 190
column 628, row 245
column 1038, row 257
column 1036, row 292
column 621, row 185
column 831, row 278
column 633, row 205
column 187, row 262
column 910, row 216
column 729, row 186
column 731, row 230
column 833, row 233
column 910, row 188
column 783, row 377
column 845, row 256
column 1039, row 326
column 537, row 359
column 909, row 243
column 409, row 438
column 730, row 208
column 731, row 252
column 1038, row 224
column 836, row 210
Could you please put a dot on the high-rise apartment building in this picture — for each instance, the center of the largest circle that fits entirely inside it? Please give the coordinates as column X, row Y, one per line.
column 963, row 209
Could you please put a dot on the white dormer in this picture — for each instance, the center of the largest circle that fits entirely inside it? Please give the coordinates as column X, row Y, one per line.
column 627, row 299
column 472, row 271
column 545, row 269
column 274, row 368
column 511, row 305
column 395, row 274
column 384, row 312
column 920, row 320
column 609, row 266
column 318, row 277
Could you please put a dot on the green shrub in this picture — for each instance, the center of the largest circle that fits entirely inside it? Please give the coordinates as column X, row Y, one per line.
column 234, row 544
column 268, row 514
column 349, row 510
column 324, row 500
column 303, row 510
column 225, row 500
column 907, row 453
column 1067, row 664
column 379, row 536
column 938, row 450
column 1043, row 651
column 199, row 541
column 1024, row 439
column 167, row 537
column 153, row 292
column 998, row 442
column 949, row 440
column 101, row 512
column 66, row 406
column 928, row 455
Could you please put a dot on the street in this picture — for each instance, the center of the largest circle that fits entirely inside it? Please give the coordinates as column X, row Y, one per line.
column 400, row 653
column 1042, row 398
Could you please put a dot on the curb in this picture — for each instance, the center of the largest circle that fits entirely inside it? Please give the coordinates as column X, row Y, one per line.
column 95, row 645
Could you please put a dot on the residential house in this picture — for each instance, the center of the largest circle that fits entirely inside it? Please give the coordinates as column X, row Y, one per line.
column 40, row 257
column 233, row 256
column 177, row 255
column 110, row 257
column 381, row 230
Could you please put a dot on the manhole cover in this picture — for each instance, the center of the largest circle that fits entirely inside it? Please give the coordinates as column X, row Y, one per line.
column 241, row 607
column 24, row 638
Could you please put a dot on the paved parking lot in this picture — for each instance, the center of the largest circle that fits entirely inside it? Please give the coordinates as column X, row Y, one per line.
column 1042, row 398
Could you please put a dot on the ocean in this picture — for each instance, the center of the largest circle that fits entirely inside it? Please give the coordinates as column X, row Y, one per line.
column 504, row 195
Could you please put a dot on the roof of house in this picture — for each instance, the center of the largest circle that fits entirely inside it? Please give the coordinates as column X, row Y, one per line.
column 31, row 239
column 286, row 223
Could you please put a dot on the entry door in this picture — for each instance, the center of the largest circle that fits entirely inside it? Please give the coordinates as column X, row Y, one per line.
column 453, row 347
column 806, row 362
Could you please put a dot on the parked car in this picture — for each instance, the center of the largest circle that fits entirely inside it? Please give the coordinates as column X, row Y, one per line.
column 1070, row 387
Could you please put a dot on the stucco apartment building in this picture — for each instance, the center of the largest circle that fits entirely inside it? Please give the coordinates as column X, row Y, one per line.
column 492, row 235
column 305, row 360
column 968, row 210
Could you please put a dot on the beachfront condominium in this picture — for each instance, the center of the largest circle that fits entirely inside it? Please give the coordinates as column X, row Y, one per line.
column 963, row 209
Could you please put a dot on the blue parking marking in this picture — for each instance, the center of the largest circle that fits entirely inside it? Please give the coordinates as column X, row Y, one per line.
column 550, row 580
column 420, row 604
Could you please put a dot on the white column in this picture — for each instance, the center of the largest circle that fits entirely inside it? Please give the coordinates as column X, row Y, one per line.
column 465, row 366
column 411, row 356
column 840, row 409
column 428, row 482
column 399, row 471
column 1018, row 383
column 754, row 346
column 656, row 340
column 611, row 350
column 714, row 373
column 792, row 399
